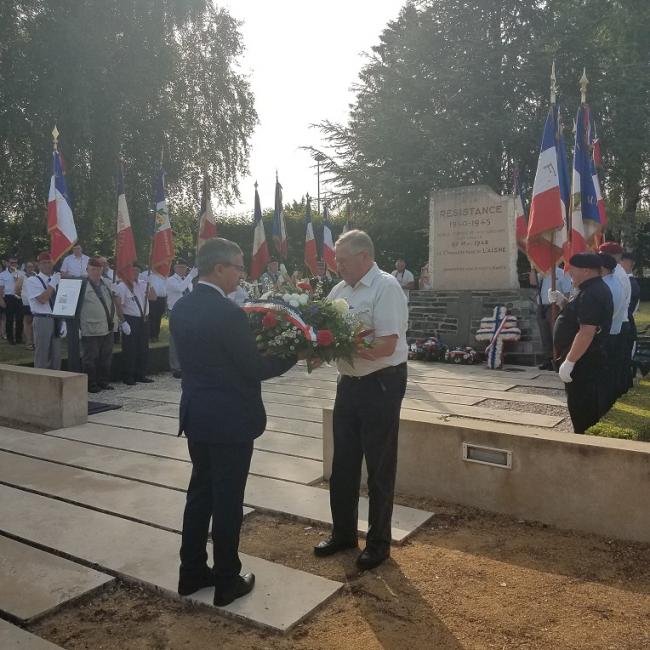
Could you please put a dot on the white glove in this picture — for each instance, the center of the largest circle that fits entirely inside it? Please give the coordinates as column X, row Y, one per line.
column 193, row 273
column 565, row 371
column 126, row 328
column 55, row 279
column 63, row 330
column 555, row 296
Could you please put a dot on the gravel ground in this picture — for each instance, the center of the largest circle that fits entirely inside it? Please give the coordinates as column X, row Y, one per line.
column 530, row 390
column 127, row 396
column 527, row 407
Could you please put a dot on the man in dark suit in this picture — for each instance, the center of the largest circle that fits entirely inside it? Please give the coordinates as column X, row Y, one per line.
column 221, row 413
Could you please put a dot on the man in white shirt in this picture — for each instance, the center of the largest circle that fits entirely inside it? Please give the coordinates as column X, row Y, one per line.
column 75, row 265
column 133, row 299
column 158, row 305
column 404, row 277
column 13, row 305
column 41, row 289
column 179, row 284
column 542, row 283
column 368, row 401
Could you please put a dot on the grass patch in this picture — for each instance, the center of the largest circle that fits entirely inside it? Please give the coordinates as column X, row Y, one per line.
column 17, row 355
column 642, row 317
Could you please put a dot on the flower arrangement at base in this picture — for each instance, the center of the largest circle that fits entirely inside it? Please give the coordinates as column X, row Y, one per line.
column 299, row 323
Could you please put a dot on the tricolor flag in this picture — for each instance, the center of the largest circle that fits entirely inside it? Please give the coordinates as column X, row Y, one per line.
column 207, row 223
column 60, row 221
column 546, row 209
column 162, row 251
column 585, row 213
column 279, row 226
column 311, row 253
column 561, row 236
column 597, row 160
column 521, row 218
column 125, row 253
column 328, row 242
column 260, row 257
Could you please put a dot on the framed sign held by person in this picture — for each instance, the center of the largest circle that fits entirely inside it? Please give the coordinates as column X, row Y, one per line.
column 68, row 298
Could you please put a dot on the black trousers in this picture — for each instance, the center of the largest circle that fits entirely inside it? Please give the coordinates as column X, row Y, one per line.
column 96, row 356
column 216, row 491
column 545, row 330
column 588, row 395
column 614, row 347
column 135, row 348
column 156, row 311
column 366, row 424
column 14, row 319
column 629, row 334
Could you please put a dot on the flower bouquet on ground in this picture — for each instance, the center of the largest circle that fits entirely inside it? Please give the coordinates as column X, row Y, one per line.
column 299, row 322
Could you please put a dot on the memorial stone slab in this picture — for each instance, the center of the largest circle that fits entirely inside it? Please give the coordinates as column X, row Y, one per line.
column 472, row 240
column 35, row 582
column 13, row 637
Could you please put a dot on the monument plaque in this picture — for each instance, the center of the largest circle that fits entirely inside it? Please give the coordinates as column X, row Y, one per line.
column 472, row 240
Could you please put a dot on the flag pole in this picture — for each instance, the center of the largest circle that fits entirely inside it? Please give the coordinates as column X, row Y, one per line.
column 120, row 163
column 554, row 308
column 153, row 236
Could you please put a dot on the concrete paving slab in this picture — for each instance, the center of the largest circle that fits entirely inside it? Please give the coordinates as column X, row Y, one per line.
column 35, row 582
column 13, row 637
column 293, row 499
column 263, row 463
column 151, row 504
column 282, row 597
column 131, row 420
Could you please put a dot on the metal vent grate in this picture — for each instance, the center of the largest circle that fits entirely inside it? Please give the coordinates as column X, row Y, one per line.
column 487, row 455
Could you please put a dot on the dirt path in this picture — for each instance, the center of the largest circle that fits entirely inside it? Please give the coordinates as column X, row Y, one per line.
column 467, row 580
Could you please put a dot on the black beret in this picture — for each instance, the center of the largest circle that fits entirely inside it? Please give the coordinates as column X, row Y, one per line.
column 607, row 261
column 586, row 261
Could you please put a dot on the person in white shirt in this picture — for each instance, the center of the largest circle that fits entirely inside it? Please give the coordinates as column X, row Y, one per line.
column 21, row 289
column 158, row 305
column 368, row 400
column 179, row 284
column 75, row 265
column 405, row 278
column 48, row 332
column 542, row 282
column 133, row 299
column 9, row 278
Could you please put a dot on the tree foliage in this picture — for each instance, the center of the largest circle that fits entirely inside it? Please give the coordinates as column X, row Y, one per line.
column 130, row 78
column 456, row 93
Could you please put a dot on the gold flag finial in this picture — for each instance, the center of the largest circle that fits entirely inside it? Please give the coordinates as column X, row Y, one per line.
column 584, row 82
column 553, row 84
column 55, row 136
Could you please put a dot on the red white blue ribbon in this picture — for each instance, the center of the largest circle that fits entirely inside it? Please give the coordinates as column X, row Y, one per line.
column 288, row 314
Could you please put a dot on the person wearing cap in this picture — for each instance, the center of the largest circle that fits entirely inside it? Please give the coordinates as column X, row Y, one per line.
column 271, row 278
column 132, row 297
column 9, row 279
column 179, row 284
column 96, row 321
column 579, row 338
column 75, row 265
column 41, row 289
column 614, row 341
column 628, row 262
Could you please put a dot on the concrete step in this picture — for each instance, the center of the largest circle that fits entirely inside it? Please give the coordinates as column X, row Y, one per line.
column 13, row 637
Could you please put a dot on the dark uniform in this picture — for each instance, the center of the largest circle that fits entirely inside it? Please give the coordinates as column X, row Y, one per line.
column 630, row 335
column 587, row 394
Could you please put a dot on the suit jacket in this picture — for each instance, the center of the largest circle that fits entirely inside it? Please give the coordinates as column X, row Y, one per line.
column 221, row 402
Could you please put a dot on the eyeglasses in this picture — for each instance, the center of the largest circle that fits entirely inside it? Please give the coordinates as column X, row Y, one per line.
column 240, row 267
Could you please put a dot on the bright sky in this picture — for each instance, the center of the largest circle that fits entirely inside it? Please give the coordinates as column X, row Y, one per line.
column 302, row 58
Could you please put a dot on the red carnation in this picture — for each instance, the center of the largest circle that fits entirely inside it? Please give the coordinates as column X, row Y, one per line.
column 325, row 337
column 304, row 285
column 269, row 320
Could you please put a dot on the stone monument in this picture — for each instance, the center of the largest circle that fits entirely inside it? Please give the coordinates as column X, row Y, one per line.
column 472, row 240
column 473, row 268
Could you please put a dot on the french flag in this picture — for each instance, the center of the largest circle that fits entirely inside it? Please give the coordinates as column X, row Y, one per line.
column 547, row 216
column 328, row 242
column 521, row 220
column 163, row 240
column 585, row 214
column 279, row 226
column 60, row 221
column 207, row 223
column 597, row 160
column 125, row 253
column 260, row 257
column 311, row 253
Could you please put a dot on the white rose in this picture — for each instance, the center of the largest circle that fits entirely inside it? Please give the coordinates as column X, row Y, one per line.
column 286, row 297
column 295, row 296
column 294, row 303
column 341, row 305
column 303, row 299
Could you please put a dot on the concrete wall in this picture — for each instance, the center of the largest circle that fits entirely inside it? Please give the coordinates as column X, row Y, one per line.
column 456, row 315
column 47, row 398
column 585, row 483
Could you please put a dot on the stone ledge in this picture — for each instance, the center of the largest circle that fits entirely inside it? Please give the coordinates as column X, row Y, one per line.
column 557, row 478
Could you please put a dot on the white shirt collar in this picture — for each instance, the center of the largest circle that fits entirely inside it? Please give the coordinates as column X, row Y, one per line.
column 214, row 286
column 369, row 277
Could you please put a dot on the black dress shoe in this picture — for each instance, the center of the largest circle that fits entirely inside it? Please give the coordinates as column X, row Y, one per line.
column 188, row 584
column 129, row 382
column 242, row 586
column 333, row 545
column 177, row 374
column 94, row 389
column 106, row 387
column 547, row 365
column 370, row 558
column 144, row 380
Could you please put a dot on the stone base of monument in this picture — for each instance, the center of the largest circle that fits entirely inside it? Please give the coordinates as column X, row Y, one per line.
column 530, row 473
column 455, row 316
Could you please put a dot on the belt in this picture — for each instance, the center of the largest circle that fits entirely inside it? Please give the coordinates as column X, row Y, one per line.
column 43, row 315
column 389, row 370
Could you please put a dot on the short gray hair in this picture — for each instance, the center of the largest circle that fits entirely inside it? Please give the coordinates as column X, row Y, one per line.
column 358, row 241
column 216, row 251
